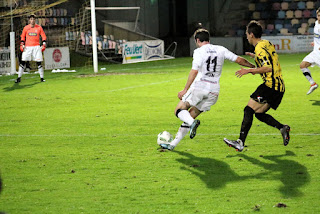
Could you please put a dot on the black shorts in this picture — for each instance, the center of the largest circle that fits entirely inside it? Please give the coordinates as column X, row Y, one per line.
column 264, row 94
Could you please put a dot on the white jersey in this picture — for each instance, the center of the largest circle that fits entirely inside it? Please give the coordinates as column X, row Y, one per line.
column 316, row 39
column 208, row 61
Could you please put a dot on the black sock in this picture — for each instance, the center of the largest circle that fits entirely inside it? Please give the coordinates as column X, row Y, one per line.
column 268, row 119
column 246, row 123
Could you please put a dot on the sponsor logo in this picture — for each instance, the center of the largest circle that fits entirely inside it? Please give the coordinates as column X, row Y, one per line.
column 261, row 99
column 57, row 55
column 153, row 51
column 32, row 34
column 134, row 49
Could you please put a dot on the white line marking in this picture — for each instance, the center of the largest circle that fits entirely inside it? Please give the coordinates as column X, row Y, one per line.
column 145, row 67
column 149, row 135
column 131, row 87
column 114, row 90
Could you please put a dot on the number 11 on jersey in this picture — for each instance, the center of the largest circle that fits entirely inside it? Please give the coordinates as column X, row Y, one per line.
column 211, row 66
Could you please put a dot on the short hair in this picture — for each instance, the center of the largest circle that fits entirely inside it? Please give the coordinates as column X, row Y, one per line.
column 31, row 16
column 202, row 34
column 255, row 28
column 318, row 10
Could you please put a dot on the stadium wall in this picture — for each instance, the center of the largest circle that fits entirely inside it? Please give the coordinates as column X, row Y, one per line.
column 283, row 44
column 291, row 44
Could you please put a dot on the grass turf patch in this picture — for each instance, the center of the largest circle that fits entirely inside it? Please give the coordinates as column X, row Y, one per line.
column 83, row 143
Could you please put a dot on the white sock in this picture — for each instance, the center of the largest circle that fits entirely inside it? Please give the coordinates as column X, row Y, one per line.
column 306, row 72
column 182, row 131
column 21, row 70
column 185, row 116
column 40, row 69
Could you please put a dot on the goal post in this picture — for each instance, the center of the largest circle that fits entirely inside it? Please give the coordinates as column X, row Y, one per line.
column 12, row 45
column 13, row 53
column 93, row 9
column 94, row 36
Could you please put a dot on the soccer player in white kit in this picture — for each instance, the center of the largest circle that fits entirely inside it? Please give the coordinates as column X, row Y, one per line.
column 312, row 58
column 30, row 47
column 202, row 88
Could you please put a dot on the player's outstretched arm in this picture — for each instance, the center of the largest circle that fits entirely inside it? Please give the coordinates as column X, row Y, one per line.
column 253, row 71
column 242, row 72
column 242, row 61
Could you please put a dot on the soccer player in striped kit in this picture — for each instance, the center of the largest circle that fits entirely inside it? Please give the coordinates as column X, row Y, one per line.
column 269, row 94
column 30, row 47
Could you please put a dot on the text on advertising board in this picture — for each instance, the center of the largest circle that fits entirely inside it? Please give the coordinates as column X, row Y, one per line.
column 153, row 51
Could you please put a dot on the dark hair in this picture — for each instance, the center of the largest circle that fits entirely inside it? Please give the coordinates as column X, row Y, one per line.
column 31, row 16
column 318, row 10
column 255, row 28
column 202, row 34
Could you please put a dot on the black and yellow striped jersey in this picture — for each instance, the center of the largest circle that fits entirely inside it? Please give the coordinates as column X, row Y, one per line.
column 266, row 56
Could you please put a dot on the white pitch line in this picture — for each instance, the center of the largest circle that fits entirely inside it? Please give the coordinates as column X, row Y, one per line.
column 149, row 135
column 152, row 67
column 119, row 89
column 132, row 87
column 127, row 88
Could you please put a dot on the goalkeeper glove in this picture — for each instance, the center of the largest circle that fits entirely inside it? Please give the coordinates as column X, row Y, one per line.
column 43, row 47
column 22, row 46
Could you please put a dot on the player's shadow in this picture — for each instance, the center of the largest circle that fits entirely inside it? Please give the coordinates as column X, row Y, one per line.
column 316, row 102
column 292, row 174
column 16, row 86
column 214, row 173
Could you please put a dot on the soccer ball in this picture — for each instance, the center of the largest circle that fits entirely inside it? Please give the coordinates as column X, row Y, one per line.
column 164, row 137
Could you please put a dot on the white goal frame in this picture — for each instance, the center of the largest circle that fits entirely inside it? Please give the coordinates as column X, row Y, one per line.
column 93, row 9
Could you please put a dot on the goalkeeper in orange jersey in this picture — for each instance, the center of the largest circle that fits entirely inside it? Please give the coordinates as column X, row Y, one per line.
column 30, row 46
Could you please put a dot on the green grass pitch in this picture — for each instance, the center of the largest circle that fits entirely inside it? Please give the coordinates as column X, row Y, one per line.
column 85, row 143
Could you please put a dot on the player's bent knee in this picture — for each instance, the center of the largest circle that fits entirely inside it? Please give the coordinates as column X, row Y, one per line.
column 304, row 64
column 260, row 116
column 248, row 110
column 177, row 112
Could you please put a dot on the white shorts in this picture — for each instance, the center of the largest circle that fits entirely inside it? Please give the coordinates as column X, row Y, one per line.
column 32, row 53
column 313, row 58
column 200, row 99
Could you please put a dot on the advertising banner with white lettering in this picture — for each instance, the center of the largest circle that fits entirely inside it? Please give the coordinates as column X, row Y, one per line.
column 5, row 62
column 141, row 51
column 291, row 44
column 132, row 52
column 57, row 58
